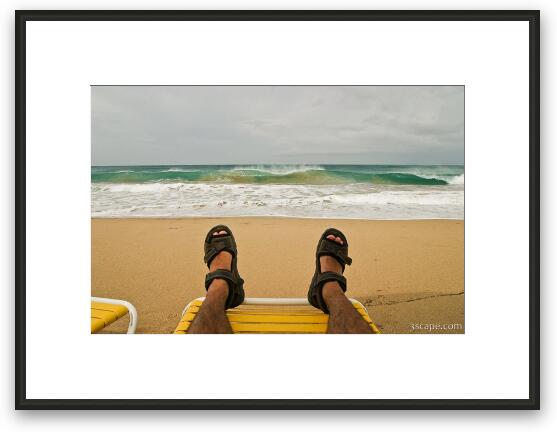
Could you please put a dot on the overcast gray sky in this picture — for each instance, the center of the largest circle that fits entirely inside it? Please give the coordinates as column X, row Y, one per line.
column 156, row 125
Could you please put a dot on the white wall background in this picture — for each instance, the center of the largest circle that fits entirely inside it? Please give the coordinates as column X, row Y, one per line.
column 430, row 421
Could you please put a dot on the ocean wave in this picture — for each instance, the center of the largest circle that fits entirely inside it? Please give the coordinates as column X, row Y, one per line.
column 456, row 180
column 277, row 175
column 257, row 177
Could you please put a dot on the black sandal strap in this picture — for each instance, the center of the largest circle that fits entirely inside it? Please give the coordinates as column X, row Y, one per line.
column 337, row 251
column 226, row 275
column 217, row 245
column 324, row 277
column 315, row 295
column 235, row 286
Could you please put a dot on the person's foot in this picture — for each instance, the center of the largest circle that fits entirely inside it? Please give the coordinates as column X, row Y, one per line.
column 328, row 263
column 223, row 261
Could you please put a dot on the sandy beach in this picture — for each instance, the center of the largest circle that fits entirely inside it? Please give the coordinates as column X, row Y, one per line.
column 409, row 274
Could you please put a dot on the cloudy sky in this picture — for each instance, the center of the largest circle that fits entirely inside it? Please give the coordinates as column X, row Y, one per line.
column 152, row 125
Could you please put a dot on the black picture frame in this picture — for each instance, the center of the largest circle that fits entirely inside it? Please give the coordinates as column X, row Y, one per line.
column 533, row 18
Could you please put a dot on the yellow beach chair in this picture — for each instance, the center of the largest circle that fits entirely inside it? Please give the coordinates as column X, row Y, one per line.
column 272, row 315
column 105, row 311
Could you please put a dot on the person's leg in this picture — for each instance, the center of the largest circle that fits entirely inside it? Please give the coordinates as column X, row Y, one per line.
column 343, row 317
column 211, row 317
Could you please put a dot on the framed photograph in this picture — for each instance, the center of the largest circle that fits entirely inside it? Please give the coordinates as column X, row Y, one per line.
column 277, row 209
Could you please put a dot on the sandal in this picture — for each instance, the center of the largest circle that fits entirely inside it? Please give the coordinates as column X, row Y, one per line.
column 215, row 244
column 338, row 252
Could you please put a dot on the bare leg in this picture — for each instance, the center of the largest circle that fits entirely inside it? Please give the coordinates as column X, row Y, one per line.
column 211, row 317
column 343, row 318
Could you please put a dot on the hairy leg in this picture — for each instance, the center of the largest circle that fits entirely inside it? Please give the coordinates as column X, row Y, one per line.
column 343, row 317
column 211, row 317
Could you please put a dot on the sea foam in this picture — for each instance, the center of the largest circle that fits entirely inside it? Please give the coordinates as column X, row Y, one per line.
column 317, row 201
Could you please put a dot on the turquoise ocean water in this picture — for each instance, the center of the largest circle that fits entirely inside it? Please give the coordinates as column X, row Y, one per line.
column 327, row 191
